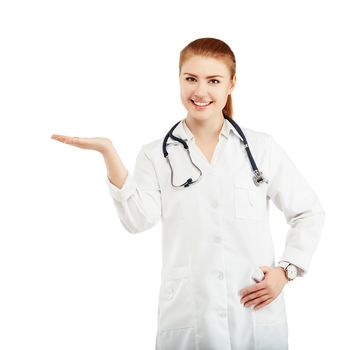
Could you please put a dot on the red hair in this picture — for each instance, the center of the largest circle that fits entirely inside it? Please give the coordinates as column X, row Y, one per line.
column 214, row 48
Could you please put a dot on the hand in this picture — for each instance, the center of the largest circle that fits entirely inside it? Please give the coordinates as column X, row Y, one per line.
column 100, row 144
column 262, row 293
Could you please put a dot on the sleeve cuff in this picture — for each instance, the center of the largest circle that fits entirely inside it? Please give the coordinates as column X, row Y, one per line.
column 301, row 272
column 122, row 194
column 297, row 258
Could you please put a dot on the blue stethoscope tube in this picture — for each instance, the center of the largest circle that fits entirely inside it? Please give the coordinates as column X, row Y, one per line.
column 258, row 177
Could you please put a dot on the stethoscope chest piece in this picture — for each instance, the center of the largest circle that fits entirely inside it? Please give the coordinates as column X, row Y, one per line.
column 259, row 178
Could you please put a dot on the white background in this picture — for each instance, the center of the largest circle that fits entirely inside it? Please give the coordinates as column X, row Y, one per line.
column 70, row 276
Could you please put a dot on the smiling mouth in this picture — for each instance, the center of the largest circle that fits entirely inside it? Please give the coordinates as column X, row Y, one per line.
column 201, row 105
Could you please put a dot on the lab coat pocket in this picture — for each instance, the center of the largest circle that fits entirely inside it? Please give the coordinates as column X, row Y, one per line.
column 176, row 311
column 272, row 313
column 248, row 202
column 176, row 339
column 271, row 336
column 176, row 308
column 270, row 324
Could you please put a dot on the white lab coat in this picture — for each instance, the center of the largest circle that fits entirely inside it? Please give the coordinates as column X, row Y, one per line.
column 216, row 235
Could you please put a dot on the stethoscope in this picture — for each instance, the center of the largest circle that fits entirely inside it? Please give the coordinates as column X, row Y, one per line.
column 258, row 177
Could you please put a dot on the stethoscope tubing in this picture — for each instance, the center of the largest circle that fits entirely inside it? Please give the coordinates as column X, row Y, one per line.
column 258, row 177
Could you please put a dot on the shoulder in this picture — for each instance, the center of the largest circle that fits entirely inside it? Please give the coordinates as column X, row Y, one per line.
column 152, row 145
column 267, row 146
column 257, row 137
column 262, row 144
column 153, row 149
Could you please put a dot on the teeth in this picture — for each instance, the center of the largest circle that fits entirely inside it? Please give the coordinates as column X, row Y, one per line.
column 201, row 103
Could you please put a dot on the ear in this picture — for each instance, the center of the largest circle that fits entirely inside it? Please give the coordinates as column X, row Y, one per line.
column 233, row 83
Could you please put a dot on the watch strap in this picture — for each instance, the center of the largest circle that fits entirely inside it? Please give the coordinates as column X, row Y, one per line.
column 284, row 265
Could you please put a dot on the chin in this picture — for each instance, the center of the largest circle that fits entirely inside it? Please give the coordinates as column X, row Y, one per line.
column 199, row 116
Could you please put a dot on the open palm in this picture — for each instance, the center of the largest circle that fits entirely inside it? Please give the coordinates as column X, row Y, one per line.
column 99, row 144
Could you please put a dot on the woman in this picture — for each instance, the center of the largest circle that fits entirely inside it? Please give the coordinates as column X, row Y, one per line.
column 220, row 287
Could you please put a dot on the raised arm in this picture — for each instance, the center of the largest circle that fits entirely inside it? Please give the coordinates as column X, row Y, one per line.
column 136, row 198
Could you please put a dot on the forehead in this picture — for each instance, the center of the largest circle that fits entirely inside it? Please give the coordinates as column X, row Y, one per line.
column 204, row 66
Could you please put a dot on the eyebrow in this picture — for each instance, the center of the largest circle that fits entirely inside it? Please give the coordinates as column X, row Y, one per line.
column 210, row 76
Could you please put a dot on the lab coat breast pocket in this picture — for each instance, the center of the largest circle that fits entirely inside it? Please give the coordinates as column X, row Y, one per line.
column 249, row 202
column 176, row 310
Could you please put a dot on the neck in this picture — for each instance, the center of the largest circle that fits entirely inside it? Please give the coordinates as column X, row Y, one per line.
column 205, row 130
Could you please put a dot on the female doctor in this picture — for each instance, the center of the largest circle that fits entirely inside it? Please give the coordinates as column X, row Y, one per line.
column 210, row 183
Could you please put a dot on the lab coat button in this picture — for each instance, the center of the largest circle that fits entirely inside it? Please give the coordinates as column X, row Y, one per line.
column 217, row 239
column 222, row 314
column 220, row 275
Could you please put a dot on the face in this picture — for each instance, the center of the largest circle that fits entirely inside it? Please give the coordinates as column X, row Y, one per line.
column 205, row 80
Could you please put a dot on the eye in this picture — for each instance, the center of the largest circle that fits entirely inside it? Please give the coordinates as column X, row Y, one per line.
column 209, row 80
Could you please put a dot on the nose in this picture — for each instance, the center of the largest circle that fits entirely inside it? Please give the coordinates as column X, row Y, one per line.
column 201, row 90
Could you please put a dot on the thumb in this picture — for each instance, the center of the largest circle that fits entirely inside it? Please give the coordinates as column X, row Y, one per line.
column 265, row 268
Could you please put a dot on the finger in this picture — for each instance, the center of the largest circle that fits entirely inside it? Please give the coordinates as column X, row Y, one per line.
column 255, row 287
column 254, row 295
column 67, row 139
column 61, row 138
column 265, row 268
column 252, row 300
column 75, row 140
column 266, row 302
column 257, row 301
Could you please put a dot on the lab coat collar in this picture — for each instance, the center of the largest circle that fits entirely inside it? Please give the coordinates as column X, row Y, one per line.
column 182, row 131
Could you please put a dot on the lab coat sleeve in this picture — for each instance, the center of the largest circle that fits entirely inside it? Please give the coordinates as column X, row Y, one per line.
column 291, row 193
column 138, row 201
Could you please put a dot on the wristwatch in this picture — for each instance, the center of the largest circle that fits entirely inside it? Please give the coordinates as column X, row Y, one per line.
column 290, row 270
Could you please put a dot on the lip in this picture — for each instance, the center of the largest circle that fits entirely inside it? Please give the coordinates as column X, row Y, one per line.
column 200, row 107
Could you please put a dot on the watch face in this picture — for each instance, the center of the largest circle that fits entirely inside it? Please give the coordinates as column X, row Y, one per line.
column 292, row 271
